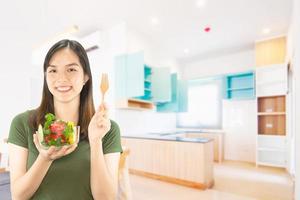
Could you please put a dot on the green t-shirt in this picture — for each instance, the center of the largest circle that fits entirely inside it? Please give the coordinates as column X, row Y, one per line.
column 68, row 178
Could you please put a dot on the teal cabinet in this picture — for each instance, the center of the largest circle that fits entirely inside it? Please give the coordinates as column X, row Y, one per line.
column 129, row 72
column 239, row 86
column 161, row 84
column 179, row 97
column 134, row 79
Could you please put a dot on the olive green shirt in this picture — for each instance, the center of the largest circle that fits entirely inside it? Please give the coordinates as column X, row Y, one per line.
column 68, row 178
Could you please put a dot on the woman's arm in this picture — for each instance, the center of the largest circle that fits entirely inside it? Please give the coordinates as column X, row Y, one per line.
column 104, row 172
column 24, row 184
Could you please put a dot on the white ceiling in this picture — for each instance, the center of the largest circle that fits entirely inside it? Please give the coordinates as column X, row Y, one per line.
column 234, row 23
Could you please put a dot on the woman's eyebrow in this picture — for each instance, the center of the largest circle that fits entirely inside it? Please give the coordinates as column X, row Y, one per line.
column 72, row 64
column 51, row 66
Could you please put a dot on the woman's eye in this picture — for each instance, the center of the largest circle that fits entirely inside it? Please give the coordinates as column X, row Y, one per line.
column 72, row 70
column 52, row 71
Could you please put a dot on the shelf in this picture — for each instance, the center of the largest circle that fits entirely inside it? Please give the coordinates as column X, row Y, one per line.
column 271, row 158
column 240, row 86
column 134, row 104
column 271, row 164
column 270, row 113
column 271, row 104
column 245, row 88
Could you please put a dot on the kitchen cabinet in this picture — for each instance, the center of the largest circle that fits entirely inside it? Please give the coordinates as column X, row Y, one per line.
column 135, row 79
column 271, row 139
column 272, row 80
column 239, row 86
column 181, row 162
column 271, row 51
column 218, row 140
column 179, row 97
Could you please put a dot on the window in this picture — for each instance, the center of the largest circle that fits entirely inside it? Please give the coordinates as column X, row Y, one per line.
column 204, row 104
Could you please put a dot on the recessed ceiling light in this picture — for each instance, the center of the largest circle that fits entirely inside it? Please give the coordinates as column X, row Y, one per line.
column 266, row 31
column 200, row 3
column 186, row 51
column 154, row 21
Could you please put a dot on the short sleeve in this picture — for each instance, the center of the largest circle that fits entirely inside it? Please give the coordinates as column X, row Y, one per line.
column 111, row 142
column 17, row 132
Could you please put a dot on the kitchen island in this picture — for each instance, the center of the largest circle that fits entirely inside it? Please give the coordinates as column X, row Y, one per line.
column 184, row 161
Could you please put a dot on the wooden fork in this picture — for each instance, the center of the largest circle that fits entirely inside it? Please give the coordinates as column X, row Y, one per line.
column 104, row 85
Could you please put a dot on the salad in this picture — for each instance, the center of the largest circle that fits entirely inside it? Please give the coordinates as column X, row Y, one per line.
column 56, row 132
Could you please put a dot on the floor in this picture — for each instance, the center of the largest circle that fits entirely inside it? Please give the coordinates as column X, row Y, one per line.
column 233, row 181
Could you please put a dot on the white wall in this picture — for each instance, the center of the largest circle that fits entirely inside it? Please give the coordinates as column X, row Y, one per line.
column 293, row 55
column 223, row 64
column 239, row 117
column 15, row 68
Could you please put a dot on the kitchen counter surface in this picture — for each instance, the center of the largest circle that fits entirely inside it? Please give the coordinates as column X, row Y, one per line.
column 167, row 137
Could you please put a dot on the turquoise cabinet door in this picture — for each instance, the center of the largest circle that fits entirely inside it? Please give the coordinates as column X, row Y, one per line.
column 182, row 96
column 135, row 74
column 120, row 76
column 179, row 96
column 161, row 84
column 129, row 75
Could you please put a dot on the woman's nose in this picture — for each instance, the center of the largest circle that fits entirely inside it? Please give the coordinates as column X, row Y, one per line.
column 62, row 76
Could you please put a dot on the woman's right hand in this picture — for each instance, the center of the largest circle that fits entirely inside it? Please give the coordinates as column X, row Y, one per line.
column 53, row 153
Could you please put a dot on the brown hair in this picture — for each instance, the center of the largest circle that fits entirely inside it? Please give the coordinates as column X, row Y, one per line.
column 86, row 107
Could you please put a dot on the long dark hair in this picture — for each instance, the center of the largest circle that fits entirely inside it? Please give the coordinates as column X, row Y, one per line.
column 86, row 108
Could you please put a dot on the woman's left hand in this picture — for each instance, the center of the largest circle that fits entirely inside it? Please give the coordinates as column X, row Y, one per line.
column 99, row 124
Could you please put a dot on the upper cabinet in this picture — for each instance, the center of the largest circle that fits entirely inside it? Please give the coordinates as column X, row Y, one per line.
column 179, row 98
column 272, row 80
column 161, row 84
column 135, row 79
column 271, row 51
column 239, row 86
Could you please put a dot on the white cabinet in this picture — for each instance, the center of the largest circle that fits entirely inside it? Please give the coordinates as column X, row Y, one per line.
column 271, row 150
column 271, row 80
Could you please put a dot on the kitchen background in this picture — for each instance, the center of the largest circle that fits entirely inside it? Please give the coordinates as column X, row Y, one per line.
column 182, row 45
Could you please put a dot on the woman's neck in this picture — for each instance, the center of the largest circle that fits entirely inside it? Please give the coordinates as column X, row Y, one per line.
column 67, row 111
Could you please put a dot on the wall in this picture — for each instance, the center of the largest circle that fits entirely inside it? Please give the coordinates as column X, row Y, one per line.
column 293, row 55
column 239, row 117
column 139, row 122
column 15, row 68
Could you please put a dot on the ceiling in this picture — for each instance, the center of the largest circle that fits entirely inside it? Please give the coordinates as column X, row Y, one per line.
column 234, row 23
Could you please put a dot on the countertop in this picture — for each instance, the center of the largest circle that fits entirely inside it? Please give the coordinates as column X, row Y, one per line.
column 167, row 137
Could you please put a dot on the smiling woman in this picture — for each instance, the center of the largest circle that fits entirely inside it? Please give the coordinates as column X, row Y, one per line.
column 54, row 173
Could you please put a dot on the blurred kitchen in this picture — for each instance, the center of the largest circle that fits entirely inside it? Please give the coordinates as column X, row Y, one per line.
column 206, row 92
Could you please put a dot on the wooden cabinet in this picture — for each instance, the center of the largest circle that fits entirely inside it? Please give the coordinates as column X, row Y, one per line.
column 218, row 141
column 240, row 86
column 269, row 52
column 135, row 79
column 185, row 163
column 271, row 115
column 271, row 140
column 272, row 80
column 179, row 98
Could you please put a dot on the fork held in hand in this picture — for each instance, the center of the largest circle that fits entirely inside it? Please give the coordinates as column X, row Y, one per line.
column 104, row 85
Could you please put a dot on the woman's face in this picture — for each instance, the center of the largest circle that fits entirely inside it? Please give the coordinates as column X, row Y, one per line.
column 65, row 77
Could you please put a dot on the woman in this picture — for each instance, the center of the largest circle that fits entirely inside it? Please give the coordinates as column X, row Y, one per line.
column 87, row 170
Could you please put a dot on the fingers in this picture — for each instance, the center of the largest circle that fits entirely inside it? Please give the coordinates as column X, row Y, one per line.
column 71, row 149
column 36, row 141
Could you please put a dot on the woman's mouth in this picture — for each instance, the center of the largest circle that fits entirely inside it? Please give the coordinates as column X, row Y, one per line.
column 64, row 88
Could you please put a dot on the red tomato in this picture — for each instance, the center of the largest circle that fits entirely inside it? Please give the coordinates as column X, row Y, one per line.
column 57, row 127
